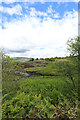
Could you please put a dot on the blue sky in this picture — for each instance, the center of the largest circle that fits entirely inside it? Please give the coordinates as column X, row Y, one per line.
column 37, row 29
column 61, row 8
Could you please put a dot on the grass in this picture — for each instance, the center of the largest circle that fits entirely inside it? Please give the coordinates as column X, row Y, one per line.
column 40, row 96
column 36, row 94
column 49, row 69
column 47, row 86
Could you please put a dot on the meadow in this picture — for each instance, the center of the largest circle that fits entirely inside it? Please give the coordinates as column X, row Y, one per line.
column 49, row 91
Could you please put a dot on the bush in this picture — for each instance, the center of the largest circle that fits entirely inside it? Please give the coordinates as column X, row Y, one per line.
column 32, row 59
column 41, row 58
column 37, row 58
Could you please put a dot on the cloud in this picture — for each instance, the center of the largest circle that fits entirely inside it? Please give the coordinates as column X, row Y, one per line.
column 48, row 13
column 50, row 10
column 42, row 1
column 16, row 50
column 56, row 15
column 10, row 1
column 35, row 13
column 32, row 33
column 14, row 10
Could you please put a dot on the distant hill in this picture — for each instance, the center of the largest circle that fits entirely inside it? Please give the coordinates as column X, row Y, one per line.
column 21, row 58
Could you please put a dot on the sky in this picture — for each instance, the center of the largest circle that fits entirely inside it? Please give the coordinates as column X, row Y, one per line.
column 37, row 29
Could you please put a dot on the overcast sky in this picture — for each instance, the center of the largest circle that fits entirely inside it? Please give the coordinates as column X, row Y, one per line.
column 37, row 29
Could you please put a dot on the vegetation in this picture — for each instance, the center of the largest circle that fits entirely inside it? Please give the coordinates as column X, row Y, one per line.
column 73, row 46
column 50, row 90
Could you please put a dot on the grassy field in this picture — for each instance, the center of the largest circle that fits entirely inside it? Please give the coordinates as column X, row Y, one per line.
column 52, row 93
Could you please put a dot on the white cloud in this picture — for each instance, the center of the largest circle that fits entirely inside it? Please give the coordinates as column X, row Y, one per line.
column 33, row 12
column 14, row 10
column 0, row 21
column 56, row 15
column 42, row 1
column 50, row 10
column 1, row 8
column 10, row 1
column 48, row 13
column 32, row 34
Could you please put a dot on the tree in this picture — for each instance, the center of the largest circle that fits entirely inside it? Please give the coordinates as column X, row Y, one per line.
column 74, row 46
column 74, row 49
column 67, row 69
column 32, row 59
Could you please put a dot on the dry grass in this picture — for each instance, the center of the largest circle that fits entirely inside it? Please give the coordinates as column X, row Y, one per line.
column 57, row 60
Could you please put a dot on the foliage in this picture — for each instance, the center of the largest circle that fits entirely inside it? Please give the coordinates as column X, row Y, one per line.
column 73, row 46
column 29, row 106
column 32, row 59
column 9, row 77
column 50, row 96
column 45, row 99
column 74, row 49
column 67, row 69
column 41, row 58
column 49, row 59
column 37, row 58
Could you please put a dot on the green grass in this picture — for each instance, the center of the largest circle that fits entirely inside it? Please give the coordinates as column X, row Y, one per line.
column 47, row 86
column 39, row 93
column 40, row 96
column 49, row 69
column 52, row 68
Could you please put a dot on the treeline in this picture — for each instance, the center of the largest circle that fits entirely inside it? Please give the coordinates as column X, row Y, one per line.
column 52, row 58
